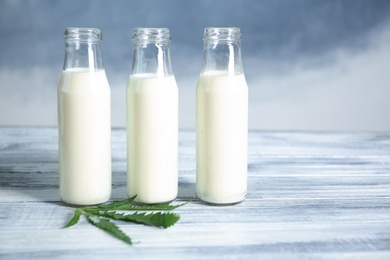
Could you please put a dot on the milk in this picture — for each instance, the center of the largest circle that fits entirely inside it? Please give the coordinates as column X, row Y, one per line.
column 221, row 135
column 84, row 120
column 152, row 138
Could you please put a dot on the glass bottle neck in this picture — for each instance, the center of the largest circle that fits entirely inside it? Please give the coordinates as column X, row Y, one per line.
column 222, row 51
column 152, row 52
column 83, row 49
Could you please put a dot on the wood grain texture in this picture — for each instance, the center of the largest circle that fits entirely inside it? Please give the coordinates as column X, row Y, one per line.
column 311, row 195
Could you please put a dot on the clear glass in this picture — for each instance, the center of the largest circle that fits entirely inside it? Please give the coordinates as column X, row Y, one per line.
column 221, row 120
column 83, row 48
column 84, row 121
column 152, row 51
column 222, row 50
column 152, row 119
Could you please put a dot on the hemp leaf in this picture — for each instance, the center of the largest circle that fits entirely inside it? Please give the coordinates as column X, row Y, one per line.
column 102, row 216
column 75, row 219
column 109, row 227
column 158, row 219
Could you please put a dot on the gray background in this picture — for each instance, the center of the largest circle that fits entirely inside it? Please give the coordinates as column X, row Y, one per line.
column 310, row 64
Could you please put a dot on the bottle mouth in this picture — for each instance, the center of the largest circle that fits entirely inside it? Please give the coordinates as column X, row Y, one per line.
column 222, row 34
column 151, row 34
column 82, row 34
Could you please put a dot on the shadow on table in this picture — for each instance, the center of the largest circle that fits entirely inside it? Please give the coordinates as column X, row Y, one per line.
column 29, row 185
column 43, row 186
column 186, row 190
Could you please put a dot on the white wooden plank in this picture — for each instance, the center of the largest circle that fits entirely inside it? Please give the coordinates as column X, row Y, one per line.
column 310, row 195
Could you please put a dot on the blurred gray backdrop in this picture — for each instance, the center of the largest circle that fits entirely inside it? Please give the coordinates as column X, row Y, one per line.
column 310, row 64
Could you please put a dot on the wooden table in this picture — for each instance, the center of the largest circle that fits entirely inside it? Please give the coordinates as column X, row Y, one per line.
column 310, row 195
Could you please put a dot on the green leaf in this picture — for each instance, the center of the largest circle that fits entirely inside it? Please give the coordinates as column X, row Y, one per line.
column 164, row 206
column 113, row 205
column 158, row 219
column 75, row 218
column 100, row 216
column 109, row 227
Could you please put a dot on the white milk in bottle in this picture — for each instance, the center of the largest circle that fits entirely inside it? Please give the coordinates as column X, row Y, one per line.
column 84, row 122
column 221, row 120
column 152, row 120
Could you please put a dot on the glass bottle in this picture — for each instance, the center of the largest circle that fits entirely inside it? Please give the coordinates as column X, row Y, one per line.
column 84, row 120
column 152, row 119
column 221, row 120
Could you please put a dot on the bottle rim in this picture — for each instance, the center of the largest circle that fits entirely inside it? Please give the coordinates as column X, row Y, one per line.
column 222, row 34
column 83, row 34
column 151, row 34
